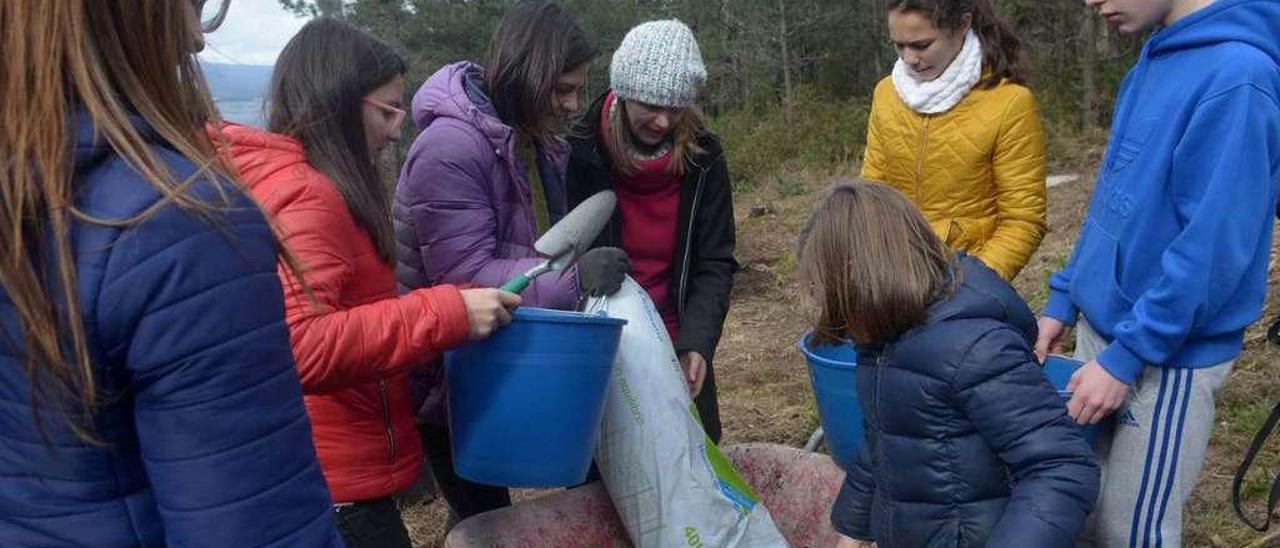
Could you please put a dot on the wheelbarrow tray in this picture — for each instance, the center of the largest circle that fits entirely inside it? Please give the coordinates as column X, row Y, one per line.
column 797, row 487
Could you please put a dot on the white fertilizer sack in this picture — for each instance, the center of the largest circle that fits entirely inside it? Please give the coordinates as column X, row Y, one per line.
column 668, row 481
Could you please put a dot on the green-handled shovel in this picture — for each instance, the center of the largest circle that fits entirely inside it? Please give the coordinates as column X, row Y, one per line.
column 565, row 241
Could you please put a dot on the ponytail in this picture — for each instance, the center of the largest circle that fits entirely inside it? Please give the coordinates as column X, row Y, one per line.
column 1002, row 55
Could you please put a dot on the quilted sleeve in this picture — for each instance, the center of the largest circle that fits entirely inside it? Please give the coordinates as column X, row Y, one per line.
column 448, row 193
column 222, row 432
column 1000, row 388
column 337, row 345
column 873, row 159
column 1018, row 164
column 851, row 511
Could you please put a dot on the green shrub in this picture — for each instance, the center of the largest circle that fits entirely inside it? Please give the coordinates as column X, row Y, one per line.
column 828, row 135
column 819, row 132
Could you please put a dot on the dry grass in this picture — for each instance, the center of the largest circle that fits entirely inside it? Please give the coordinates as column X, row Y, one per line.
column 765, row 393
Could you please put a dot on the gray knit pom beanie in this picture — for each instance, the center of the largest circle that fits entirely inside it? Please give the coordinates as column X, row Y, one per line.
column 658, row 63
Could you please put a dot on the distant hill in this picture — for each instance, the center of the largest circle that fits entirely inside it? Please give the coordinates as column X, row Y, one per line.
column 239, row 90
column 237, row 82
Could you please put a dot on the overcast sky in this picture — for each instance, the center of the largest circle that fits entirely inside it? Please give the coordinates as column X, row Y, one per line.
column 254, row 33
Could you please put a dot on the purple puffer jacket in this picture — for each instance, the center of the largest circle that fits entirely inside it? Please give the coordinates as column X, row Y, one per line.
column 463, row 207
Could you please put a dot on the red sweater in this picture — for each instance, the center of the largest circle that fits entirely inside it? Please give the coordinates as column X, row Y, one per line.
column 649, row 201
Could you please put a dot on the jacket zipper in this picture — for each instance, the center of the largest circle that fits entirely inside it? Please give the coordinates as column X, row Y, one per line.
column 688, row 246
column 924, row 139
column 875, row 407
column 386, row 419
column 875, row 403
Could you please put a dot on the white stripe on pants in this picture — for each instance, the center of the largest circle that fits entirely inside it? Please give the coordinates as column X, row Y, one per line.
column 1151, row 451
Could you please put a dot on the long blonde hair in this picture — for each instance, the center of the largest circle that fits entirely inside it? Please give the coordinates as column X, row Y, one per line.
column 872, row 264
column 105, row 60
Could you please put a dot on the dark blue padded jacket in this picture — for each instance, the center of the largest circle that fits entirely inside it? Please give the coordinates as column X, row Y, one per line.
column 966, row 442
column 205, row 439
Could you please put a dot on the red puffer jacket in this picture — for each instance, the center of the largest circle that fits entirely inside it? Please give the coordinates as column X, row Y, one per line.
column 357, row 341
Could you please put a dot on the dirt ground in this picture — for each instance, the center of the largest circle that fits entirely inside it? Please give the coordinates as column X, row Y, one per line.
column 765, row 394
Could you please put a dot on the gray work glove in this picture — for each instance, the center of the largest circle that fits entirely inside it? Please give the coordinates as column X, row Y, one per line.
column 601, row 271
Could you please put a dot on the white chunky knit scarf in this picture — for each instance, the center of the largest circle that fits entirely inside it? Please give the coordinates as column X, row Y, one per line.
column 944, row 92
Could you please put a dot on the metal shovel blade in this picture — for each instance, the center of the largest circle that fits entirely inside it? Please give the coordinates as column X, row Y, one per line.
column 563, row 243
column 579, row 227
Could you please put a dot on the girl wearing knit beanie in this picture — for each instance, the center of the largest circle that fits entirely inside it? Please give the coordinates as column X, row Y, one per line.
column 955, row 128
column 645, row 139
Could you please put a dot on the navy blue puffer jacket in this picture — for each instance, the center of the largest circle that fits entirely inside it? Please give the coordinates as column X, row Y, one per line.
column 206, row 442
column 966, row 442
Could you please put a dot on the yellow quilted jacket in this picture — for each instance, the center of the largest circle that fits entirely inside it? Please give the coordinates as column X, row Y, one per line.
column 977, row 171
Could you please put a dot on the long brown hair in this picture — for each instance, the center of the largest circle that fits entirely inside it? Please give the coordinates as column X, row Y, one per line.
column 1002, row 55
column 686, row 132
column 104, row 60
column 317, row 92
column 534, row 44
column 872, row 264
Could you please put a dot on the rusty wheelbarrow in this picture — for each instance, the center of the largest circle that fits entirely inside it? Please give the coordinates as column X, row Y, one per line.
column 796, row 486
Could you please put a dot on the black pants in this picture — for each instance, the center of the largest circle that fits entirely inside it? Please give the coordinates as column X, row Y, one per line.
column 708, row 405
column 372, row 524
column 466, row 498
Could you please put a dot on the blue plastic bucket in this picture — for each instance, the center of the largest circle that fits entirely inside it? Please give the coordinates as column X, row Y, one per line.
column 832, row 372
column 1059, row 370
column 525, row 405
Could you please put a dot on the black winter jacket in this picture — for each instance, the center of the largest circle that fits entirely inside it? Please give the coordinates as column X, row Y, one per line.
column 703, row 264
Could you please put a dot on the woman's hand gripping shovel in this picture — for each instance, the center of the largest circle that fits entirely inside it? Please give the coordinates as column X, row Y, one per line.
column 565, row 241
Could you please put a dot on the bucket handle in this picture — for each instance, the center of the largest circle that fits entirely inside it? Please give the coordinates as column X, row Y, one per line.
column 601, row 309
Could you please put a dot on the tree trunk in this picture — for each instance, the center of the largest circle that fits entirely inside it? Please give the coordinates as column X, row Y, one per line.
column 727, row 38
column 880, row 30
column 1089, row 68
column 786, row 59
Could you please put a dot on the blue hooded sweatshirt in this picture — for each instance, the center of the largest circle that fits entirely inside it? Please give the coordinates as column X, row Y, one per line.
column 1171, row 263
